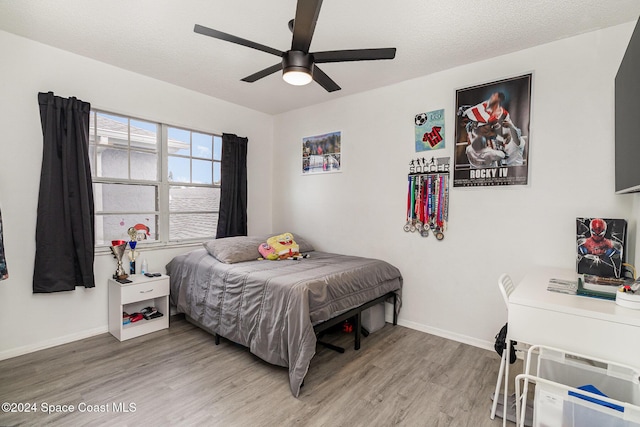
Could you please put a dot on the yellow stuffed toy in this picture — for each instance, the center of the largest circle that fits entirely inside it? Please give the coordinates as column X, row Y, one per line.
column 279, row 247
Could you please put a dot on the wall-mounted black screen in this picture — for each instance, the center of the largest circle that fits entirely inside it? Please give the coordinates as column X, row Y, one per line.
column 627, row 122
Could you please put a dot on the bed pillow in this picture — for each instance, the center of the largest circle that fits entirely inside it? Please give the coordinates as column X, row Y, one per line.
column 231, row 250
column 303, row 245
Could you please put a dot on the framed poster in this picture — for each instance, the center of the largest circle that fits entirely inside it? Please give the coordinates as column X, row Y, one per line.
column 600, row 245
column 429, row 130
column 492, row 133
column 322, row 153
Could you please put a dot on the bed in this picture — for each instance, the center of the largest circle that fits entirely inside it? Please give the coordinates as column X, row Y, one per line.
column 272, row 307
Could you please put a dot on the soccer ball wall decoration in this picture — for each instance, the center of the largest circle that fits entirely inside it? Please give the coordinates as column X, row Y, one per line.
column 429, row 130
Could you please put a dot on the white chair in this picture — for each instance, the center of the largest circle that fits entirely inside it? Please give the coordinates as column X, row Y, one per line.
column 506, row 286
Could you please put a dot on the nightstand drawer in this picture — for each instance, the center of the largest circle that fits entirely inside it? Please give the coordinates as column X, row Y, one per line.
column 144, row 291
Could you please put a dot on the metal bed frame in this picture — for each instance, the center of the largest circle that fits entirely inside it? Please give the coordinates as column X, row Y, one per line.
column 355, row 313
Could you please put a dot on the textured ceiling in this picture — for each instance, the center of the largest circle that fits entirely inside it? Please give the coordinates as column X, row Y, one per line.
column 156, row 38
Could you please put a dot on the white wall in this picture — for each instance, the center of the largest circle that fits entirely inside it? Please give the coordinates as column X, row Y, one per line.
column 450, row 286
column 29, row 321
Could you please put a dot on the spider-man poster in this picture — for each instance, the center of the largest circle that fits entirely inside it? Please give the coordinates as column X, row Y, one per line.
column 600, row 244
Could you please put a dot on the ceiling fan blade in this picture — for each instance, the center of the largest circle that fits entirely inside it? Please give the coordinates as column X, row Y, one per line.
column 323, row 80
column 233, row 39
column 263, row 73
column 304, row 24
column 354, row 55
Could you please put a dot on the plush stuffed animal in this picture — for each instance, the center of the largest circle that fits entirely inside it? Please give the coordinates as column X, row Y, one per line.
column 279, row 247
column 284, row 245
column 268, row 252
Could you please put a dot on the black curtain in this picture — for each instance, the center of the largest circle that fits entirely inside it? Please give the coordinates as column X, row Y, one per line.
column 65, row 225
column 232, row 220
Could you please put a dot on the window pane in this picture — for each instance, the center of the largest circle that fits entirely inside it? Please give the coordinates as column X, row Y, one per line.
column 202, row 145
column 144, row 166
column 112, row 130
column 194, row 199
column 216, row 173
column 92, row 155
column 112, row 163
column 92, row 124
column 179, row 141
column 114, row 227
column 144, row 135
column 217, row 147
column 192, row 226
column 179, row 169
column 124, row 198
column 201, row 173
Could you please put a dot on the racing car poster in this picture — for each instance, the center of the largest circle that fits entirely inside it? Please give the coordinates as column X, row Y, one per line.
column 492, row 133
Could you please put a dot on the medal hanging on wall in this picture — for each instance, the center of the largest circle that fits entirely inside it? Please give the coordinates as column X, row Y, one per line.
column 428, row 197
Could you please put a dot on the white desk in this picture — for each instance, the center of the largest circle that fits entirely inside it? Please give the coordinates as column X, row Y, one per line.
column 578, row 324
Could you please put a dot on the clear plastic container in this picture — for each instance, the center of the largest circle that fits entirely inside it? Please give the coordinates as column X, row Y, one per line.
column 559, row 402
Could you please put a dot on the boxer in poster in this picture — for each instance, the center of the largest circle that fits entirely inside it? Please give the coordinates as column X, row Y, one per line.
column 492, row 133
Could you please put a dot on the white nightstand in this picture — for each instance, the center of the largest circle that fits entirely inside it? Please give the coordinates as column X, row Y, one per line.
column 132, row 297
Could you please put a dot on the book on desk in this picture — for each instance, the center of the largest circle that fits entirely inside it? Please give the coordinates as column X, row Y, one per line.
column 589, row 286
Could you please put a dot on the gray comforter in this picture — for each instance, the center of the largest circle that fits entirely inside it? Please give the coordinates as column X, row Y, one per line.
column 271, row 306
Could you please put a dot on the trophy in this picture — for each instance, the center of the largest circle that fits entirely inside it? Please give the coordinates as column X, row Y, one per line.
column 132, row 256
column 132, row 232
column 117, row 249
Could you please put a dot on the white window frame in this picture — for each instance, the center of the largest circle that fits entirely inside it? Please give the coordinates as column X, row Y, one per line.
column 168, row 184
column 163, row 184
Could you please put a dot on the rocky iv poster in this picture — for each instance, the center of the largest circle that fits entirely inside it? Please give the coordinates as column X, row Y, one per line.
column 492, row 133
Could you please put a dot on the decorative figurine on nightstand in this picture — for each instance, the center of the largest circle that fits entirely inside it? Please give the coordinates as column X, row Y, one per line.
column 117, row 249
column 132, row 232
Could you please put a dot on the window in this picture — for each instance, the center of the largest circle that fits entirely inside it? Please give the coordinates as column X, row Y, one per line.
column 194, row 183
column 165, row 201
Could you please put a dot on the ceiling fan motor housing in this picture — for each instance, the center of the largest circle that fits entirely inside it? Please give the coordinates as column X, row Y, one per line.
column 296, row 60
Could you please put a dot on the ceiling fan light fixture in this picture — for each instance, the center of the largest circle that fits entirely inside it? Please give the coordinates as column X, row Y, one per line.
column 297, row 78
column 297, row 68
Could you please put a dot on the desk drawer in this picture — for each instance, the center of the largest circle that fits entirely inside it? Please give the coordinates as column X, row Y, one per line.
column 144, row 291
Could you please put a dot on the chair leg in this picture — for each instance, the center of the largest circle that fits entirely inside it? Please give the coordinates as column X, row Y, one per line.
column 506, row 353
column 496, row 394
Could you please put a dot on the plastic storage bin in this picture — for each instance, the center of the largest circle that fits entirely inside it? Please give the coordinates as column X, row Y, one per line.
column 373, row 318
column 559, row 402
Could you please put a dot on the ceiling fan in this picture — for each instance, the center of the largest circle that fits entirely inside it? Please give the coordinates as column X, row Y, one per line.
column 298, row 65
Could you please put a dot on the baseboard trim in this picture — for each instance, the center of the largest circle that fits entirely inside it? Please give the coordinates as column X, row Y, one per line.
column 19, row 351
column 465, row 339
